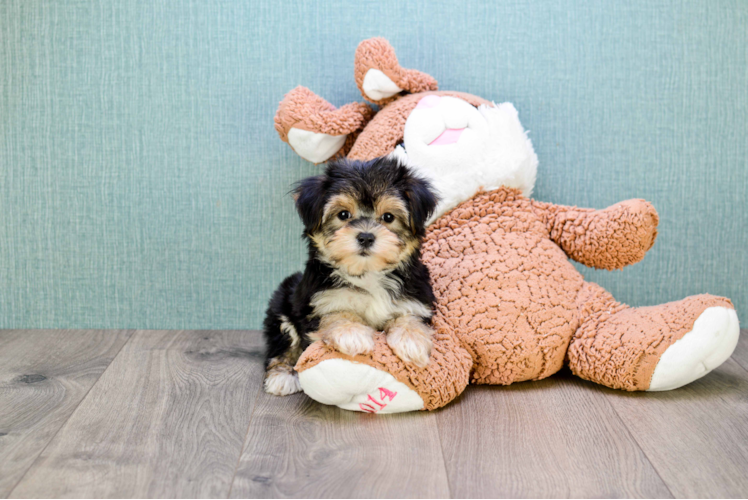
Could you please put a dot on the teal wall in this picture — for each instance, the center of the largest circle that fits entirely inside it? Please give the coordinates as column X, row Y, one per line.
column 142, row 184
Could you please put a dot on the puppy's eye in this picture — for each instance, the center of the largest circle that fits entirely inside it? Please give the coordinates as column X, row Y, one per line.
column 388, row 217
column 344, row 215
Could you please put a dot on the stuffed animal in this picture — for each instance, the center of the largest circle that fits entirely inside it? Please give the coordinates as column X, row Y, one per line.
column 510, row 306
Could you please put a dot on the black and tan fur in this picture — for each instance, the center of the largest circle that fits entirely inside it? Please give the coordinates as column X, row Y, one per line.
column 363, row 222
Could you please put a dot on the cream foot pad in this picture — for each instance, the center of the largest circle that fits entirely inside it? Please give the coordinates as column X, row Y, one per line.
column 712, row 340
column 358, row 387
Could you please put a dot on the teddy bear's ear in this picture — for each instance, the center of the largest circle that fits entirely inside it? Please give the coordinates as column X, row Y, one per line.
column 379, row 76
column 316, row 129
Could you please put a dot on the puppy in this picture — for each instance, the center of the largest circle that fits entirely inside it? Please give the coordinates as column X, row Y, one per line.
column 363, row 222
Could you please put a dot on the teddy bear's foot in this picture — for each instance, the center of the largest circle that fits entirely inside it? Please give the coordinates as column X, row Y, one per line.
column 709, row 344
column 358, row 387
column 380, row 382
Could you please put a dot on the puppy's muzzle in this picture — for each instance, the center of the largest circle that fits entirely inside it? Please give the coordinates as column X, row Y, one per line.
column 365, row 240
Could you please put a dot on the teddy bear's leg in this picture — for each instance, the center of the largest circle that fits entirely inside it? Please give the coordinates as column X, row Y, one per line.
column 380, row 382
column 650, row 348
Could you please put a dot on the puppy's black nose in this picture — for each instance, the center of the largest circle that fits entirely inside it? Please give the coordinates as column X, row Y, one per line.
column 365, row 239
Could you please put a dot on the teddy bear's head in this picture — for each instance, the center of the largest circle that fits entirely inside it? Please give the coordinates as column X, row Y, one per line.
column 462, row 143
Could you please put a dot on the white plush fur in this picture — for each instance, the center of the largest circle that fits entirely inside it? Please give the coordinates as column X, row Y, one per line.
column 713, row 339
column 350, row 385
column 492, row 151
column 313, row 146
column 378, row 86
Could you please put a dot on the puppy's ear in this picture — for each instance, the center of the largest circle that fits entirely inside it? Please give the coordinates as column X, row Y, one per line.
column 422, row 201
column 309, row 195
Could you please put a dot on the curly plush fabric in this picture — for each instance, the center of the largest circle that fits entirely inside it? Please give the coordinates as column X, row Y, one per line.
column 609, row 239
column 503, row 286
column 504, row 283
column 378, row 54
column 303, row 109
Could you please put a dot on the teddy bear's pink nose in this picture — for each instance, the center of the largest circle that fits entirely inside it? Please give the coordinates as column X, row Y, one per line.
column 428, row 102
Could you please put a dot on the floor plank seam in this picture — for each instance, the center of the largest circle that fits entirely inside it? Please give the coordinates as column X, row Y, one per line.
column 738, row 350
column 444, row 460
column 633, row 437
column 20, row 480
column 244, row 441
column 745, row 368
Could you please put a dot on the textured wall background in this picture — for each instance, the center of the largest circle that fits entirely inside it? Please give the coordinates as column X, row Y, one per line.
column 142, row 183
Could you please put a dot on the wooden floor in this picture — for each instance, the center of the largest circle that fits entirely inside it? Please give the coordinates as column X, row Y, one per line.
column 181, row 414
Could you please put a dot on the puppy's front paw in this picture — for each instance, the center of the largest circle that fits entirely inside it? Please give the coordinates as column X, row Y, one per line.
column 282, row 380
column 349, row 337
column 357, row 339
column 410, row 339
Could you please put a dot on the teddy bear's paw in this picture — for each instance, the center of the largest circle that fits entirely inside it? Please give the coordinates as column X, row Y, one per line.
column 350, row 339
column 379, row 76
column 709, row 344
column 410, row 339
column 313, row 146
column 316, row 129
column 358, row 387
column 378, row 86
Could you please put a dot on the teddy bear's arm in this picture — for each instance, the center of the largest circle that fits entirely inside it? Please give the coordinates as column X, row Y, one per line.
column 379, row 76
column 611, row 238
column 316, row 129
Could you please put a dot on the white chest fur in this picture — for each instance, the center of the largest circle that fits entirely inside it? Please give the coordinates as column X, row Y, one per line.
column 369, row 297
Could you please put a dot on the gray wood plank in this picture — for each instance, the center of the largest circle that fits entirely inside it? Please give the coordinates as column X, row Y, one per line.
column 167, row 419
column 741, row 351
column 551, row 438
column 44, row 375
column 299, row 448
column 696, row 436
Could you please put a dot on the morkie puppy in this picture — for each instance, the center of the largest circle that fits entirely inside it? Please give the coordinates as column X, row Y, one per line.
column 363, row 222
